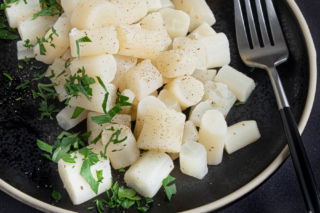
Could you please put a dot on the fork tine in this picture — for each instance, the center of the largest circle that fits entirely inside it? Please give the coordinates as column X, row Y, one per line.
column 274, row 23
column 242, row 39
column 262, row 24
column 252, row 26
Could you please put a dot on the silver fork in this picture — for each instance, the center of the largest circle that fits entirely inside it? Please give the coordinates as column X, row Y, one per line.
column 267, row 56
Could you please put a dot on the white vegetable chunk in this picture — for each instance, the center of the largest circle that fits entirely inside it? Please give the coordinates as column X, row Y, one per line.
column 167, row 4
column 121, row 154
column 90, row 14
column 188, row 91
column 169, row 100
column 222, row 98
column 153, row 5
column 65, row 120
column 205, row 75
column 128, row 93
column 240, row 135
column 78, row 189
column 31, row 29
column 203, row 30
column 58, row 74
column 139, row 43
column 155, row 22
column 193, row 160
column 23, row 52
column 67, row 55
column 104, row 66
column 213, row 134
column 96, row 129
column 68, row 6
column 20, row 11
column 196, row 46
column 198, row 10
column 176, row 22
column 238, row 83
column 103, row 41
column 217, row 50
column 146, row 175
column 162, row 130
column 97, row 98
column 149, row 101
column 197, row 111
column 124, row 63
column 175, row 63
column 132, row 10
column 143, row 79
column 190, row 132
column 61, row 43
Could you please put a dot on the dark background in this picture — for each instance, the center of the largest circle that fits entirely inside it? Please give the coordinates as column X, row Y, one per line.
column 281, row 192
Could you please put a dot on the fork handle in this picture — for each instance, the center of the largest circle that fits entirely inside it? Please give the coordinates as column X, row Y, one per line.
column 298, row 153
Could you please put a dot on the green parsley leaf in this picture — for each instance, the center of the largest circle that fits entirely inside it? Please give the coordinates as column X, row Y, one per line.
column 49, row 8
column 44, row 146
column 101, row 119
column 24, row 85
column 5, row 34
column 47, row 111
column 170, row 190
column 68, row 63
column 77, row 112
column 97, row 138
column 56, row 195
column 90, row 208
column 122, row 170
column 240, row 103
column 99, row 175
column 80, row 40
column 68, row 159
column 26, row 60
column 252, row 69
column 60, row 74
column 20, row 67
column 9, row 77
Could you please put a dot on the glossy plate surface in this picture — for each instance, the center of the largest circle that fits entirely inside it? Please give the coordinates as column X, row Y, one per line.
column 23, row 167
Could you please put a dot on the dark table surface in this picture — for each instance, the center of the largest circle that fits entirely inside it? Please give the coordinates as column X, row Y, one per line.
column 280, row 193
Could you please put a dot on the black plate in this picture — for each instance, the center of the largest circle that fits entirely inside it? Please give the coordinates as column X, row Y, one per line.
column 23, row 167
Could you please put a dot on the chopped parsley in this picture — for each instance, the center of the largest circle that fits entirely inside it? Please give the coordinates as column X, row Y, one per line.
column 9, row 77
column 56, row 195
column 68, row 63
column 49, row 8
column 26, row 60
column 77, row 112
column 24, row 85
column 170, row 190
column 252, row 69
column 83, row 84
column 80, row 40
column 240, row 103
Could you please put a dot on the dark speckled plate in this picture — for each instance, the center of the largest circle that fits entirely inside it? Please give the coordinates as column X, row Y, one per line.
column 24, row 170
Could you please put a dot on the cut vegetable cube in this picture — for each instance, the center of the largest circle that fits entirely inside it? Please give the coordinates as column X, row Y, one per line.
column 193, row 159
column 176, row 63
column 58, row 74
column 188, row 90
column 155, row 22
column 176, row 22
column 167, row 4
column 196, row 46
column 59, row 44
column 143, row 79
column 238, row 83
column 103, row 41
column 240, row 135
column 23, row 52
column 96, row 129
column 68, row 6
column 124, row 63
column 217, row 50
column 162, row 130
column 197, row 111
column 213, row 135
column 169, row 100
column 97, row 98
column 20, row 11
column 31, row 29
column 149, row 101
column 222, row 98
column 132, row 10
column 190, row 132
column 104, row 66
column 91, row 14
column 121, row 154
column 203, row 30
column 78, row 189
column 205, row 75
column 198, row 10
column 146, row 175
column 65, row 120
column 128, row 93
column 139, row 43
column 153, row 5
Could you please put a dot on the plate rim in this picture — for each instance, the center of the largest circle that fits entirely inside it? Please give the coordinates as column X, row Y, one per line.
column 42, row 206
